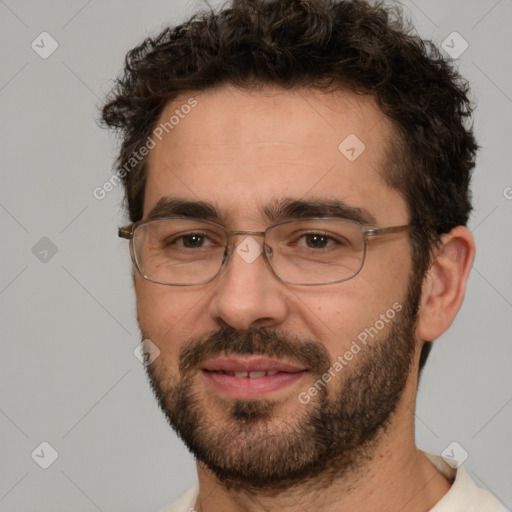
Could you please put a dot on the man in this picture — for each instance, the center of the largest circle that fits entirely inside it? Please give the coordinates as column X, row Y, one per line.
column 296, row 175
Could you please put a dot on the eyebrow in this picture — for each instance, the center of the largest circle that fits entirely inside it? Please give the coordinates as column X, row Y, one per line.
column 282, row 209
column 175, row 207
column 300, row 209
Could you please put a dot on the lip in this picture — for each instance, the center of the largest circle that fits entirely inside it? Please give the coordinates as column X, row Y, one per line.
column 247, row 388
column 250, row 364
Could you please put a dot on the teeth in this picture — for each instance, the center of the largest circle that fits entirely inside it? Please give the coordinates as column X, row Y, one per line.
column 253, row 375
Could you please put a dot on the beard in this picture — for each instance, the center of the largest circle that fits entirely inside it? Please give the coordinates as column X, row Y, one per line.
column 251, row 447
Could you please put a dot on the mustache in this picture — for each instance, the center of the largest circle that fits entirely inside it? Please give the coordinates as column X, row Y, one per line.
column 263, row 341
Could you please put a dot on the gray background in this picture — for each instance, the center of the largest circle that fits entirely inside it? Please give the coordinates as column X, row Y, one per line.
column 68, row 372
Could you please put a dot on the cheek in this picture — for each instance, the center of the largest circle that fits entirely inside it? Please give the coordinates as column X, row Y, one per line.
column 152, row 311
column 167, row 316
column 333, row 316
column 340, row 313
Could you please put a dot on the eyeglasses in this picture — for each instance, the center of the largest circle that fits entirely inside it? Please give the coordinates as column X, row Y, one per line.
column 180, row 251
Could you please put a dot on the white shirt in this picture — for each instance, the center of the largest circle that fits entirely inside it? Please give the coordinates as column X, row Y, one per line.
column 463, row 496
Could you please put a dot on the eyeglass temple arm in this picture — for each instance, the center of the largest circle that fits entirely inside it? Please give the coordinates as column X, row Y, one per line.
column 125, row 232
column 386, row 231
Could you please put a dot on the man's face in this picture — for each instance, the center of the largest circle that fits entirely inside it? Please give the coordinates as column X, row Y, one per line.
column 244, row 152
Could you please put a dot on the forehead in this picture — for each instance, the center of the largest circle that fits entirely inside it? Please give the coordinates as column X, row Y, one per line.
column 243, row 150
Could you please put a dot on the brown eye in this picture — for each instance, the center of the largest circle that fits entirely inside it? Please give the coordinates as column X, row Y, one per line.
column 316, row 241
column 193, row 241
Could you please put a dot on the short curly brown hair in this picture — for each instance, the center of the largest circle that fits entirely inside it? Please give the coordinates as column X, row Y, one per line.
column 317, row 44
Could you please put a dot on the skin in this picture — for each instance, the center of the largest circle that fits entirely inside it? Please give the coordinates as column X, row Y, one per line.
column 243, row 150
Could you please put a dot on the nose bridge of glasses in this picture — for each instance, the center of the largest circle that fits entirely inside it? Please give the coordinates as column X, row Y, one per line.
column 248, row 233
column 231, row 234
column 247, row 250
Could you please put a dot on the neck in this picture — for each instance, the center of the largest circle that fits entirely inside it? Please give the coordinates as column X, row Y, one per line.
column 389, row 483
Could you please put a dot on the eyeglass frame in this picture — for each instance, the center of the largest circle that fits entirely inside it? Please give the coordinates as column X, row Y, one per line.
column 127, row 232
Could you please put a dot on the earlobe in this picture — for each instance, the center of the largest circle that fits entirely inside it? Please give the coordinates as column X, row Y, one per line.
column 445, row 283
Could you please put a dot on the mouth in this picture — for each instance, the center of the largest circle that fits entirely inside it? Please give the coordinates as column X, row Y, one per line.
column 250, row 377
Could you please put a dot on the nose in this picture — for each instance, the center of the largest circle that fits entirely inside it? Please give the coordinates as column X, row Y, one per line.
column 247, row 294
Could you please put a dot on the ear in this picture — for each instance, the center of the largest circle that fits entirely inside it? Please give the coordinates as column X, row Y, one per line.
column 444, row 285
